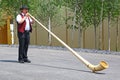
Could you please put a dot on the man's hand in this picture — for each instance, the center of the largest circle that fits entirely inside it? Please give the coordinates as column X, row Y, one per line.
column 27, row 14
column 24, row 18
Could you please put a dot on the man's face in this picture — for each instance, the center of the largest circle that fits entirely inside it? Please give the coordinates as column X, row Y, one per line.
column 25, row 11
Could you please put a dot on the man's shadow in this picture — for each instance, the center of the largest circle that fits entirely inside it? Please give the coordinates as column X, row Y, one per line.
column 13, row 61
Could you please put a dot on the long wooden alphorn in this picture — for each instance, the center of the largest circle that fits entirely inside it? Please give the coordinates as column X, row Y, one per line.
column 101, row 66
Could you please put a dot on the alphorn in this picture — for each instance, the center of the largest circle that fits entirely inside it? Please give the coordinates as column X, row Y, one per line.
column 101, row 66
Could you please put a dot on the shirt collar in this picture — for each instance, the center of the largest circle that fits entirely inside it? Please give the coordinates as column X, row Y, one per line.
column 23, row 14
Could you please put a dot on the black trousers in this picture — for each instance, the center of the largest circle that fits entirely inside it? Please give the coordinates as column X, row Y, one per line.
column 24, row 39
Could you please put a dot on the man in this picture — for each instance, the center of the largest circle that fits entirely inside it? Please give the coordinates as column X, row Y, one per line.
column 24, row 28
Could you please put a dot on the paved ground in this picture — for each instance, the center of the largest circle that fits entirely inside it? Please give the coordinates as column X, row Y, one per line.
column 48, row 64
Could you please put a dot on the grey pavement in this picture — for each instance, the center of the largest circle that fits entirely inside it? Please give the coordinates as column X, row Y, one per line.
column 51, row 64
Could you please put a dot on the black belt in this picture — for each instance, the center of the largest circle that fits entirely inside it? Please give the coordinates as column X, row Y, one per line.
column 27, row 30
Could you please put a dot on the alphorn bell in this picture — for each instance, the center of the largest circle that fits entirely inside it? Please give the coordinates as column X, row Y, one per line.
column 101, row 66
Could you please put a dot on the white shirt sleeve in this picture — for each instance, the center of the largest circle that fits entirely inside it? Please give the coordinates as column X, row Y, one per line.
column 18, row 18
column 30, row 20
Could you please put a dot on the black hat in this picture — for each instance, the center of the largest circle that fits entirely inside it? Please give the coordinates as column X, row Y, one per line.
column 24, row 7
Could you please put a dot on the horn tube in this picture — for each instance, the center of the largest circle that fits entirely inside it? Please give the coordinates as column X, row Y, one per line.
column 101, row 66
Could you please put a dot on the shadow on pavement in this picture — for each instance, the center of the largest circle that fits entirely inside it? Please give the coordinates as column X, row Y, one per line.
column 66, row 68
column 51, row 66
column 13, row 61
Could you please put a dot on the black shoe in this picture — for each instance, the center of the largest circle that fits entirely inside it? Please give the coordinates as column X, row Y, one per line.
column 27, row 60
column 21, row 61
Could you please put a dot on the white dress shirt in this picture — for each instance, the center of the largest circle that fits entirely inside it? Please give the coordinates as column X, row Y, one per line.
column 27, row 26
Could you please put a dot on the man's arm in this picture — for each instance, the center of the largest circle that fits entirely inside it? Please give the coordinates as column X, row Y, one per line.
column 31, row 20
column 20, row 19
